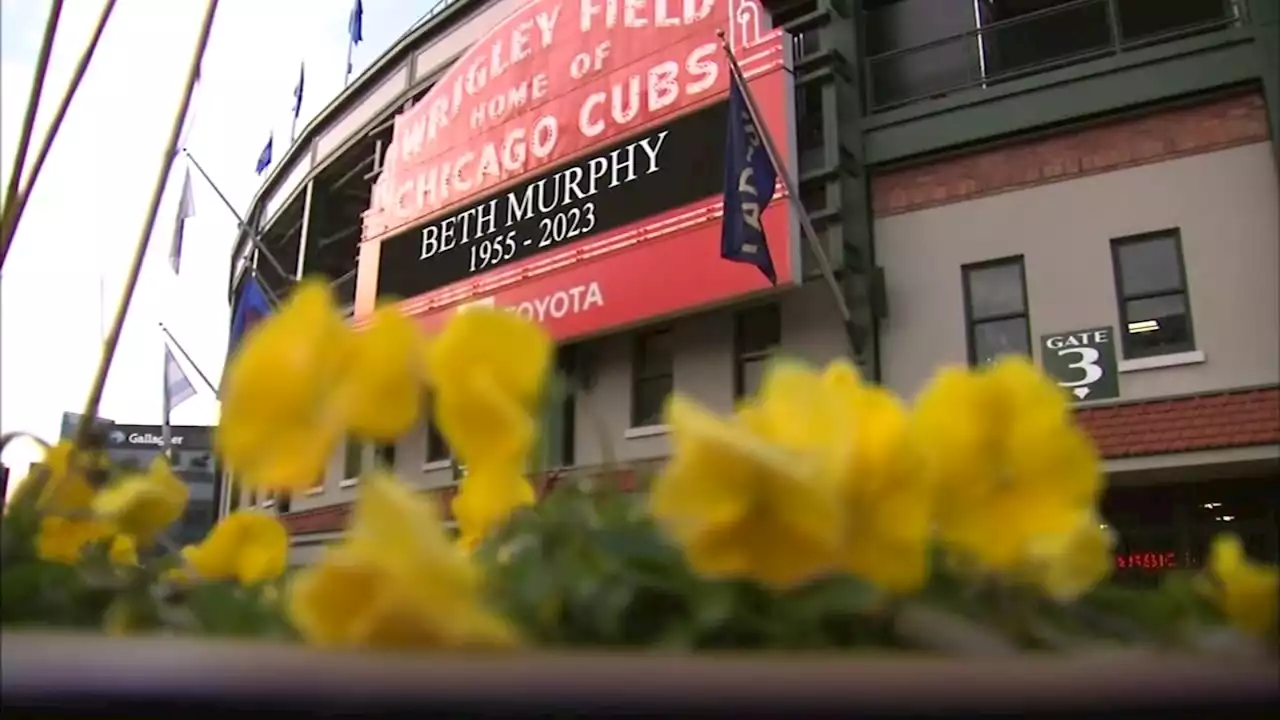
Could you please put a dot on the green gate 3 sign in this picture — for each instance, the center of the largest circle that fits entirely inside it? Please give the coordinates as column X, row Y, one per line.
column 1083, row 362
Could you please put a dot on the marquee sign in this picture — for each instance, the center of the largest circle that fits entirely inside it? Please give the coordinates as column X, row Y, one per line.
column 570, row 167
column 554, row 79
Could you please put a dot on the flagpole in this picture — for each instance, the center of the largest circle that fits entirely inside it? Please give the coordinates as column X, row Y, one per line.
column 244, row 227
column 177, row 345
column 346, row 79
column 165, row 432
column 293, row 130
column 784, row 172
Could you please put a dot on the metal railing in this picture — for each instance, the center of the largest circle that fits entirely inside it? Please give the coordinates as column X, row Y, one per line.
column 1064, row 34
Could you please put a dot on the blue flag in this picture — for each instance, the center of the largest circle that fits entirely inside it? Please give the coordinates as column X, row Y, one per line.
column 251, row 308
column 355, row 23
column 749, row 179
column 264, row 158
column 297, row 91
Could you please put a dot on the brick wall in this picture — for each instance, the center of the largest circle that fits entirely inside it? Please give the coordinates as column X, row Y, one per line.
column 1213, row 125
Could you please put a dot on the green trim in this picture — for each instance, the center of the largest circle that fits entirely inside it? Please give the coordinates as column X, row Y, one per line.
column 1097, row 88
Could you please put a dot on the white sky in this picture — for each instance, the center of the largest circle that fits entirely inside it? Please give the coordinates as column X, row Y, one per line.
column 83, row 219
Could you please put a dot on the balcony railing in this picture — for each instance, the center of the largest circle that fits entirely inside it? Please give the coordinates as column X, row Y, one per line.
column 1064, row 34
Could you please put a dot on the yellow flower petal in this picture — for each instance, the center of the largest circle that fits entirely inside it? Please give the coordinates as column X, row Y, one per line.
column 67, row 489
column 246, row 546
column 62, row 540
column 124, row 550
column 144, row 505
column 385, row 383
column 281, row 406
column 1070, row 564
column 510, row 351
column 486, row 499
column 1248, row 593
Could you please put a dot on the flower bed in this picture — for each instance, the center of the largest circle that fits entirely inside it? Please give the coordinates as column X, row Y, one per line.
column 823, row 515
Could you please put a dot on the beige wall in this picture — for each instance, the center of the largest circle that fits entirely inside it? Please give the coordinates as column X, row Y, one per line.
column 1225, row 204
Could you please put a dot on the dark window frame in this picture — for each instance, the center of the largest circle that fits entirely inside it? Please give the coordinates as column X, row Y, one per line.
column 437, row 448
column 742, row 356
column 971, row 322
column 1123, row 298
column 641, row 376
column 350, row 444
column 384, row 455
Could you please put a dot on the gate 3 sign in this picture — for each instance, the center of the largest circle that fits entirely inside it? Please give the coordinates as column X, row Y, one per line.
column 1083, row 361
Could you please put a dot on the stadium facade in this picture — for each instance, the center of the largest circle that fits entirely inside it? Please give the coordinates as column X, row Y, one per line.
column 1090, row 182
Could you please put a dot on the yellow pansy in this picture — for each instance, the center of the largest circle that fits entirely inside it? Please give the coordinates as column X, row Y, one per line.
column 396, row 581
column 1007, row 459
column 488, row 368
column 888, row 504
column 303, row 379
column 279, row 422
column 1248, row 593
column 62, row 540
column 67, row 489
column 486, row 498
column 384, row 383
column 248, row 547
column 1068, row 565
column 123, row 550
column 742, row 506
column 143, row 505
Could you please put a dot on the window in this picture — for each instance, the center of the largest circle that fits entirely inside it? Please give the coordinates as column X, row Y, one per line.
column 651, row 377
column 995, row 307
column 352, row 459
column 437, row 448
column 1151, row 287
column 385, row 455
column 757, row 332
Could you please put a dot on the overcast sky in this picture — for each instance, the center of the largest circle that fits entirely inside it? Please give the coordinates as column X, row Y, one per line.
column 83, row 220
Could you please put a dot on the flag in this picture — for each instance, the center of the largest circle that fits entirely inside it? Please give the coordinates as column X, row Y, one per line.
column 749, row 180
column 355, row 30
column 297, row 91
column 251, row 308
column 355, row 23
column 177, row 387
column 264, row 158
column 186, row 208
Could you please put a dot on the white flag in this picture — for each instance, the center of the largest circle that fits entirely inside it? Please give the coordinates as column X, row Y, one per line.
column 186, row 209
column 177, row 388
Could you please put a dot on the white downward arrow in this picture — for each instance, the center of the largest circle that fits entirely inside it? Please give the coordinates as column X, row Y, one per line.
column 1080, row 392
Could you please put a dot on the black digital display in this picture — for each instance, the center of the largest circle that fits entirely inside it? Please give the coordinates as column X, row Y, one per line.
column 665, row 167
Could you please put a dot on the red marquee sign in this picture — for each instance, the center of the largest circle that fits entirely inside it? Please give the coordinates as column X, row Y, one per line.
column 552, row 80
column 553, row 86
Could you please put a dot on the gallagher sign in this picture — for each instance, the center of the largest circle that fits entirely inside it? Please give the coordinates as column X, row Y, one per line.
column 570, row 166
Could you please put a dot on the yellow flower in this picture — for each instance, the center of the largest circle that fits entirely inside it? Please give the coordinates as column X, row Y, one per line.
column 246, row 546
column 756, row 496
column 124, row 550
column 888, row 503
column 143, row 505
column 1009, row 463
column 303, row 379
column 67, row 489
column 1248, row 593
column 1068, row 565
column 395, row 582
column 384, row 384
column 62, row 540
column 279, row 420
column 485, row 500
column 488, row 368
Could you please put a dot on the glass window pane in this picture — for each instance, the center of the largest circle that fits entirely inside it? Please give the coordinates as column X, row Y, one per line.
column 995, row 290
column 650, row 395
column 752, row 374
column 1149, row 266
column 352, row 460
column 759, row 329
column 1157, row 325
column 653, row 356
column 437, row 449
column 385, row 455
column 1000, row 337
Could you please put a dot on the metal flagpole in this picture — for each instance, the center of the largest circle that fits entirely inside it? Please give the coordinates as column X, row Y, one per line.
column 793, row 192
column 346, row 79
column 166, row 435
column 244, row 227
column 178, row 346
